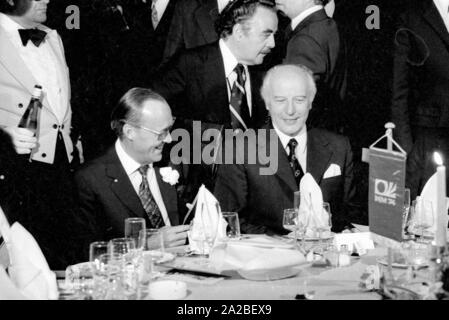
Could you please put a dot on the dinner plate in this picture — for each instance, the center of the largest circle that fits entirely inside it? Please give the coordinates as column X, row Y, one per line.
column 192, row 264
column 269, row 274
column 162, row 257
column 383, row 261
column 326, row 237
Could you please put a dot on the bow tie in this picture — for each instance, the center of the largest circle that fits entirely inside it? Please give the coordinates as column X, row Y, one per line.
column 35, row 35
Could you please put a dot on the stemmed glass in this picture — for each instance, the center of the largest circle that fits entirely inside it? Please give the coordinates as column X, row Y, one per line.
column 121, row 246
column 326, row 226
column 406, row 210
column 210, row 229
column 290, row 221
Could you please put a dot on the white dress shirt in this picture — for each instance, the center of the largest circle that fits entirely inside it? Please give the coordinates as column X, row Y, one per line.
column 301, row 148
column 42, row 63
column 300, row 17
column 221, row 4
column 131, row 168
column 230, row 62
column 161, row 5
column 443, row 9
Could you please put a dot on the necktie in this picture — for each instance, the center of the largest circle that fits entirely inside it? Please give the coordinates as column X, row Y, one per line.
column 154, row 18
column 288, row 32
column 35, row 35
column 148, row 202
column 294, row 163
column 241, row 118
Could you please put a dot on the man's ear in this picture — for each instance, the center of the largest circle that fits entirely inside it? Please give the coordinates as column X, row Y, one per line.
column 238, row 31
column 128, row 131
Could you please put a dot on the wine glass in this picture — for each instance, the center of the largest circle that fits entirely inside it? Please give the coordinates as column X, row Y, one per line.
column 210, row 228
column 326, row 223
column 423, row 218
column 133, row 227
column 290, row 220
column 406, row 211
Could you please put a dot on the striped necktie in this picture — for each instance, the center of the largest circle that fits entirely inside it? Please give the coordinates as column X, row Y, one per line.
column 294, row 163
column 240, row 119
column 147, row 199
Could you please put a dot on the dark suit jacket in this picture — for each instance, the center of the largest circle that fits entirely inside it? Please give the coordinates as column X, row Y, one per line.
column 316, row 43
column 421, row 73
column 107, row 196
column 192, row 26
column 261, row 199
column 420, row 163
column 196, row 89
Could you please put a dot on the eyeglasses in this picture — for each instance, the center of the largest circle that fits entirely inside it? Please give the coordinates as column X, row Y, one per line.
column 161, row 135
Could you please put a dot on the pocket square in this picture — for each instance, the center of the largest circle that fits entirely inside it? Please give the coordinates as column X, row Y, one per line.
column 332, row 171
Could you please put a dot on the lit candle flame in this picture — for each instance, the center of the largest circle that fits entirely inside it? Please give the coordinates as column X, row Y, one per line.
column 437, row 158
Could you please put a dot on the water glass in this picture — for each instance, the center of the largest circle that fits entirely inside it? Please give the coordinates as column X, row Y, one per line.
column 151, row 239
column 79, row 279
column 121, row 246
column 290, row 221
column 108, row 277
column 96, row 249
column 133, row 227
column 233, row 227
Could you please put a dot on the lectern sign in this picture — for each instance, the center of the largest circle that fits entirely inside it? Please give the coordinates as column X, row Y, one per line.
column 386, row 192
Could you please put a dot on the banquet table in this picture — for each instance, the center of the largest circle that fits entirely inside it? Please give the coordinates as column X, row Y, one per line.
column 318, row 282
column 327, row 283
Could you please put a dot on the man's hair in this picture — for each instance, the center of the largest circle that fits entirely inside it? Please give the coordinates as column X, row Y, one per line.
column 300, row 69
column 19, row 7
column 129, row 108
column 239, row 11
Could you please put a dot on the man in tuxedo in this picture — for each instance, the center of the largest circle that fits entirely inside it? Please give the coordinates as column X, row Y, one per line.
column 33, row 54
column 420, row 103
column 260, row 191
column 125, row 182
column 313, row 40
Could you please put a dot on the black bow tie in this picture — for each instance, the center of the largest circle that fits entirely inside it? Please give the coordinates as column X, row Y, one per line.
column 35, row 35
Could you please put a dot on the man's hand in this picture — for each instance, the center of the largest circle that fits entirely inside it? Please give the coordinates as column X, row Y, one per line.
column 175, row 236
column 23, row 139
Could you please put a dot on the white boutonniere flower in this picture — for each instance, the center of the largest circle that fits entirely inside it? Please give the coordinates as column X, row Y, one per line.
column 169, row 175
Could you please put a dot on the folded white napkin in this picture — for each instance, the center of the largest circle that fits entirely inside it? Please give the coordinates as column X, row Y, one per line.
column 311, row 206
column 231, row 255
column 8, row 290
column 429, row 193
column 28, row 269
column 208, row 220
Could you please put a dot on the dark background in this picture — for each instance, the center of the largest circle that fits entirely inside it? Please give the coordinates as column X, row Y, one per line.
column 105, row 60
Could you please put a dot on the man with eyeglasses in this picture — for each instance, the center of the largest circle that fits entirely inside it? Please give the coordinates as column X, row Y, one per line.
column 124, row 182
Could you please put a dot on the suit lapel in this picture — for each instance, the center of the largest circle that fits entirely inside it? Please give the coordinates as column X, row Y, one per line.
column 318, row 155
column 121, row 185
column 433, row 17
column 10, row 59
column 166, row 18
column 206, row 14
column 169, row 196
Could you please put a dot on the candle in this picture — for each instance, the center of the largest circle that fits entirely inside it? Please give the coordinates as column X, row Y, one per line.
column 441, row 212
